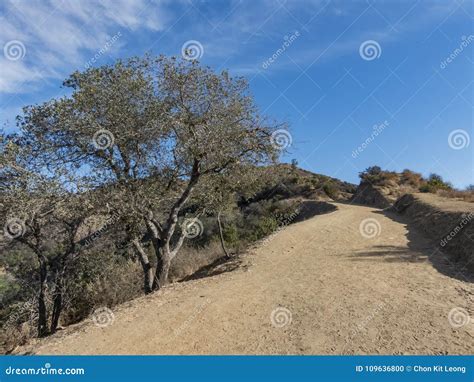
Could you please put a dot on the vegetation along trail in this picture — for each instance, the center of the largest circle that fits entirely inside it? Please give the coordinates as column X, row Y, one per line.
column 352, row 281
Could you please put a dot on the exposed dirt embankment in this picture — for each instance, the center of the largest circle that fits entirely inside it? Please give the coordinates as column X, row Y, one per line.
column 369, row 195
column 311, row 208
column 449, row 223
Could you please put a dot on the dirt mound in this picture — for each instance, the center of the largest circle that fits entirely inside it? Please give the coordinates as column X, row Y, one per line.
column 449, row 223
column 370, row 195
column 311, row 208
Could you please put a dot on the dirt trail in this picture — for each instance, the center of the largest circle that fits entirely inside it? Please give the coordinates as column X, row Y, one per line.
column 345, row 294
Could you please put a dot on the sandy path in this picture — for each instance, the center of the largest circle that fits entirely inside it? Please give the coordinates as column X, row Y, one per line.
column 345, row 293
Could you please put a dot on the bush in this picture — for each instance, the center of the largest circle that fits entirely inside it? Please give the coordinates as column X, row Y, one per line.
column 330, row 190
column 376, row 176
column 411, row 178
column 189, row 260
column 117, row 280
column 466, row 196
column 231, row 234
column 435, row 183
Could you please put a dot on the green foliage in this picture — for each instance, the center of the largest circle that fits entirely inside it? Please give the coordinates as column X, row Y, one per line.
column 376, row 176
column 435, row 183
column 140, row 140
column 231, row 234
column 263, row 227
column 330, row 190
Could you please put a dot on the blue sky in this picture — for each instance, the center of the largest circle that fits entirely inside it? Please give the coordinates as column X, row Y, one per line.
column 414, row 79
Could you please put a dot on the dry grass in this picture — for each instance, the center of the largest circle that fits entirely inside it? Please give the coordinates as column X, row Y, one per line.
column 189, row 260
column 466, row 196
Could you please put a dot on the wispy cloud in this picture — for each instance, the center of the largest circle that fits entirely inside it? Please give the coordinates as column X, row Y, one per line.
column 59, row 34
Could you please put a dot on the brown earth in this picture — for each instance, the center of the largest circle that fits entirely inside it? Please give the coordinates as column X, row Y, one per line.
column 345, row 294
column 448, row 223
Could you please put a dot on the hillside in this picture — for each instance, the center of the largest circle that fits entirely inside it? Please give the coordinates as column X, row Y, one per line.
column 286, row 195
column 322, row 286
column 382, row 189
column 287, row 181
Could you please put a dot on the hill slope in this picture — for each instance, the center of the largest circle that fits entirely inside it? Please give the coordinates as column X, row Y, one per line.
column 345, row 293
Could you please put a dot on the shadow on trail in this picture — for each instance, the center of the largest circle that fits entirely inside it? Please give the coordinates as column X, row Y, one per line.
column 312, row 208
column 217, row 267
column 419, row 249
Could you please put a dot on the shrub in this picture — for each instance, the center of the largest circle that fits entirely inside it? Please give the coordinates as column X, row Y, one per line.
column 377, row 176
column 189, row 260
column 411, row 178
column 330, row 190
column 435, row 183
column 231, row 234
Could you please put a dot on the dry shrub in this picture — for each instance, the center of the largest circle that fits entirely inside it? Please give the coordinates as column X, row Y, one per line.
column 466, row 196
column 120, row 280
column 189, row 260
column 411, row 178
column 19, row 326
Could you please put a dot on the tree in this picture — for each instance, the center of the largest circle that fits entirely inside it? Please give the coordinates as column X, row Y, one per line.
column 39, row 214
column 218, row 194
column 153, row 129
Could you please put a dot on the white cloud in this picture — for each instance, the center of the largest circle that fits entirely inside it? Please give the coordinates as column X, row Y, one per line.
column 64, row 34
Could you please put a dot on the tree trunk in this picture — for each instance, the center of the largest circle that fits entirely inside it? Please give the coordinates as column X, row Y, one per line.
column 161, row 241
column 148, row 275
column 163, row 256
column 221, row 235
column 57, row 303
column 42, row 312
